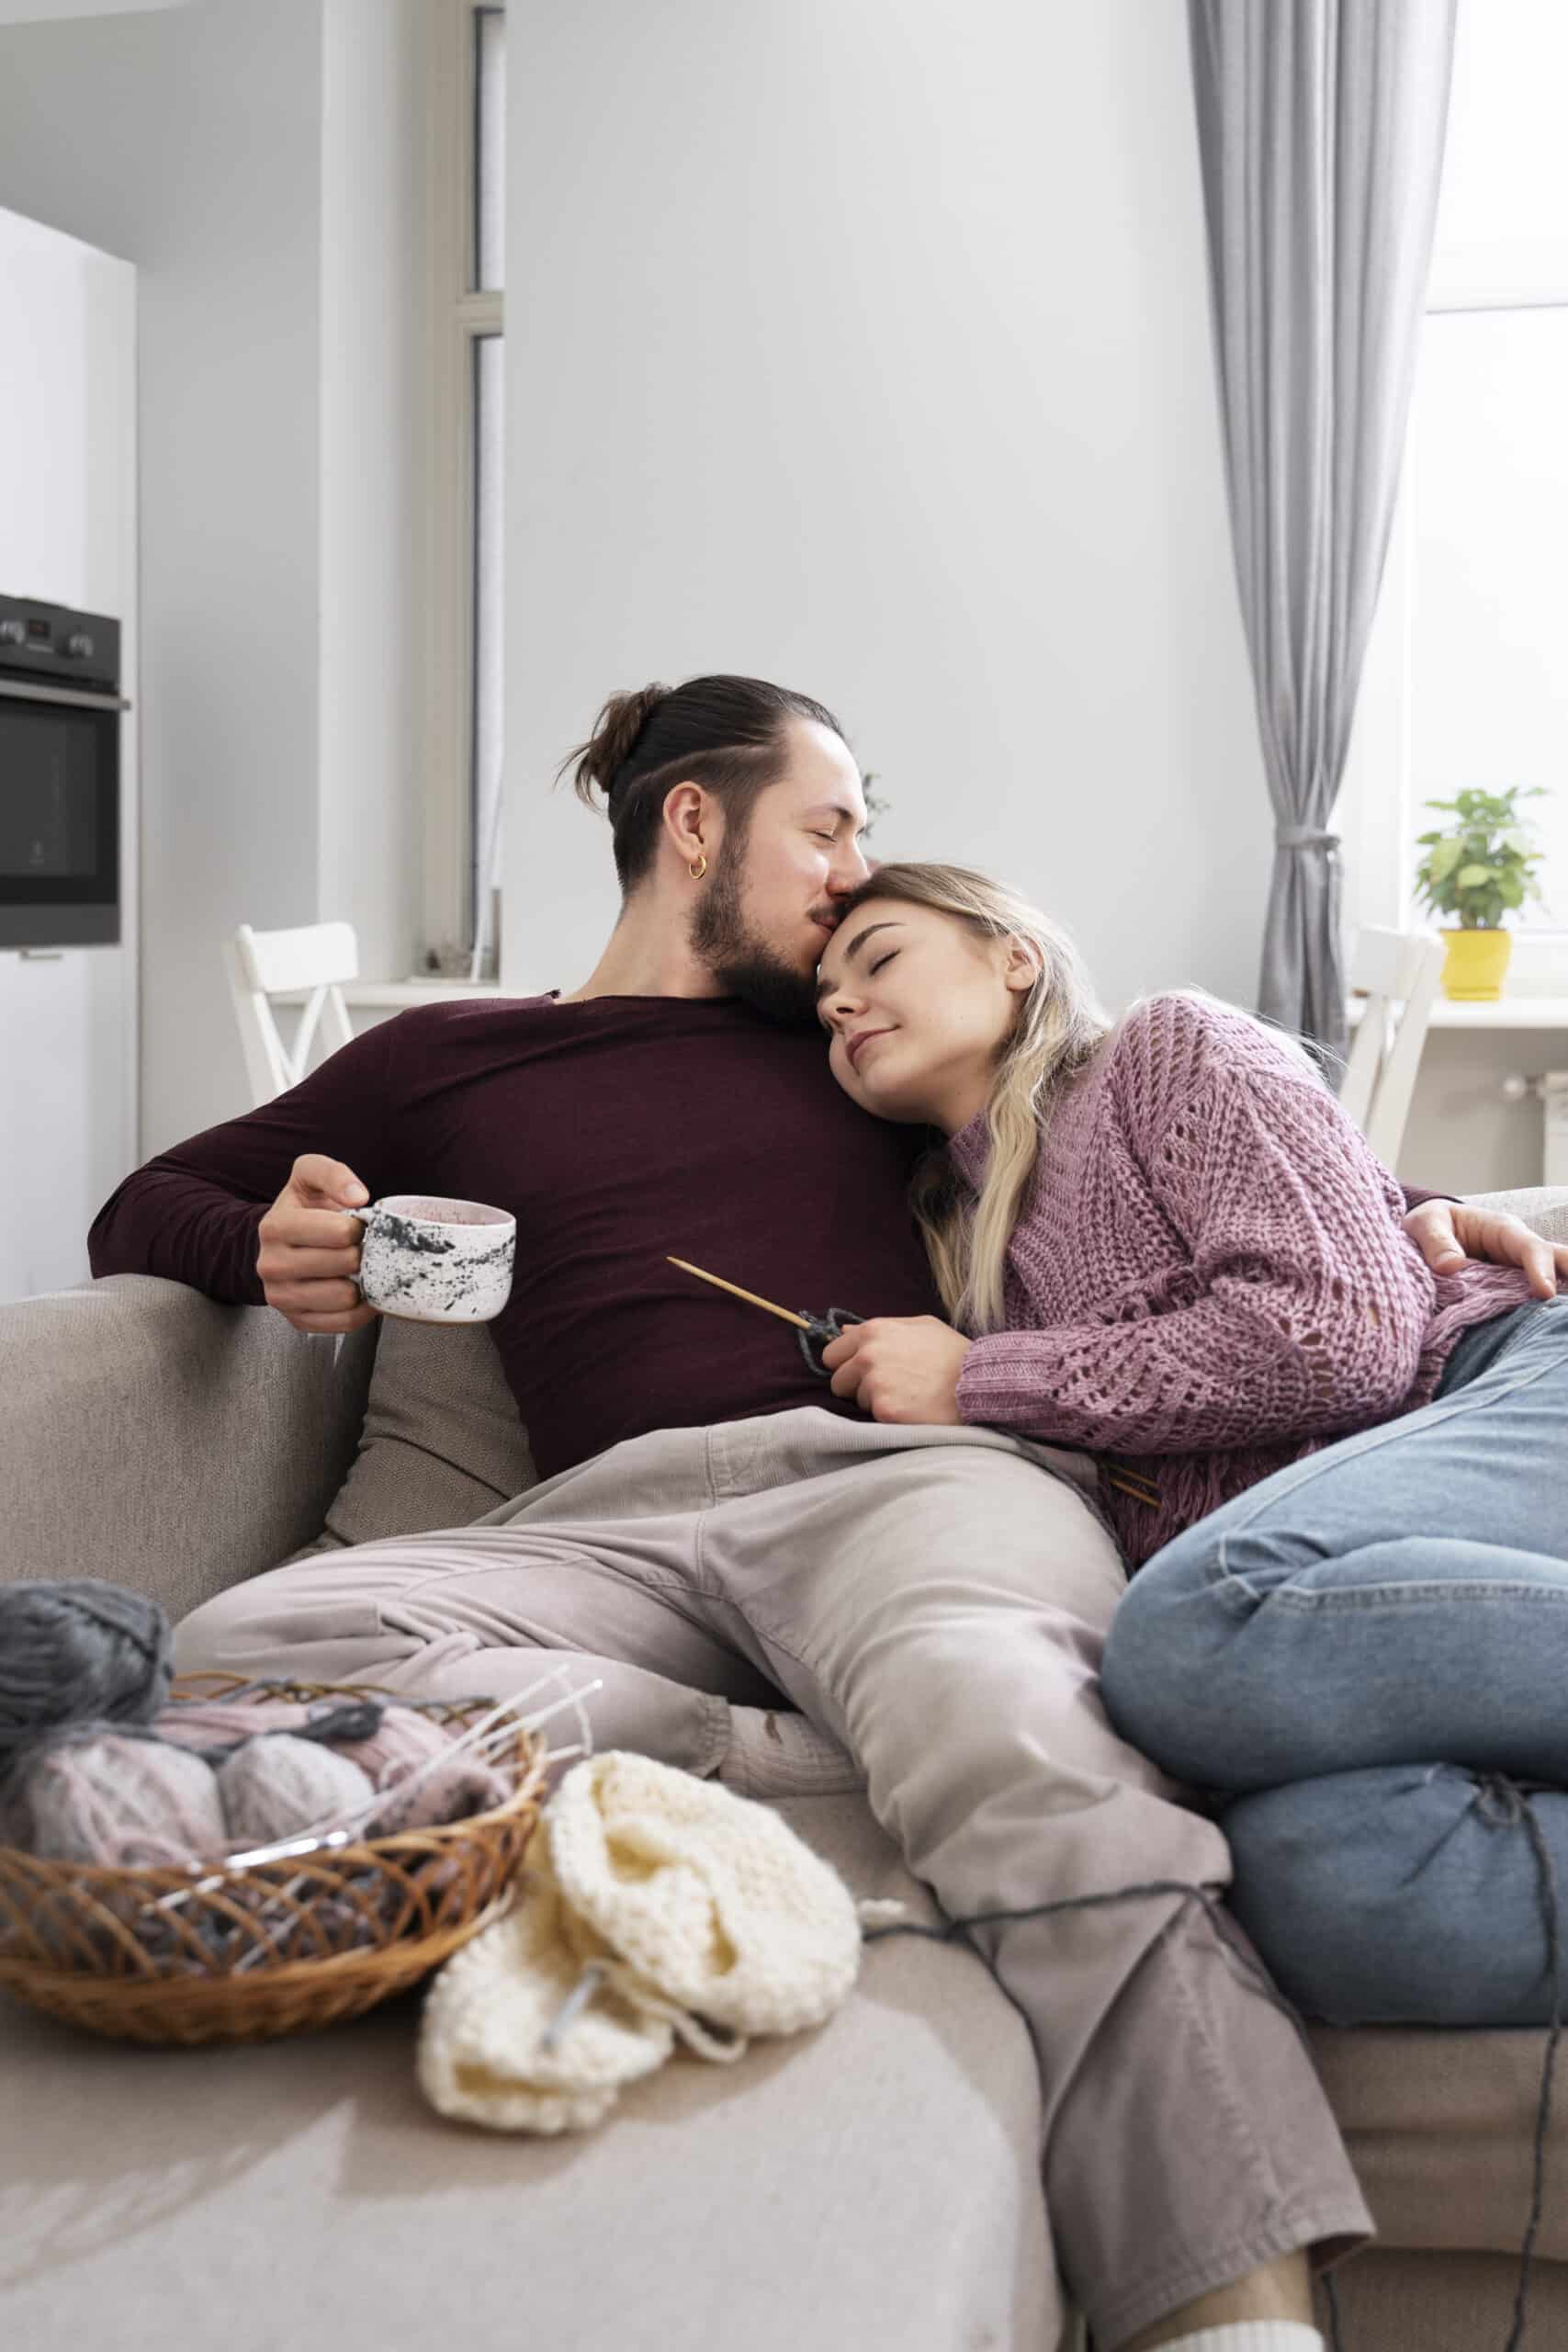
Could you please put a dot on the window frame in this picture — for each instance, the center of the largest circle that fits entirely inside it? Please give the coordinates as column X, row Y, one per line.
column 459, row 318
column 1378, row 826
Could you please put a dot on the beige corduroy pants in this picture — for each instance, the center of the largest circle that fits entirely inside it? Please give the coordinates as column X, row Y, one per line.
column 936, row 1600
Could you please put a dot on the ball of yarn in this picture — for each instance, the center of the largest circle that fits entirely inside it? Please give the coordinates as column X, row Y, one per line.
column 277, row 1785
column 450, row 1790
column 77, row 1649
column 213, row 1726
column 120, row 1801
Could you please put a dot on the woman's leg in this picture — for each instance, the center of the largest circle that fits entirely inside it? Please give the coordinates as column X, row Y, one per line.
column 1400, row 1596
column 1408, row 1894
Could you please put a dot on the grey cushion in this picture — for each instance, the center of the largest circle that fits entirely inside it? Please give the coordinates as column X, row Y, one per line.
column 442, row 1442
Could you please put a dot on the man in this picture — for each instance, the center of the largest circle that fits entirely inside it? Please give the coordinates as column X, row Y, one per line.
column 715, row 1526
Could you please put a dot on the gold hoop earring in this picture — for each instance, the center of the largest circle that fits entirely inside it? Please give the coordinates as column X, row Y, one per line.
column 699, row 865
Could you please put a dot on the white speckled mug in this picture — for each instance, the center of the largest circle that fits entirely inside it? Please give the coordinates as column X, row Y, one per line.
column 433, row 1261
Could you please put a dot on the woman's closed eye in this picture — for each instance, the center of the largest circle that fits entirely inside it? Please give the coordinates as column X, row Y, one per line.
column 886, row 957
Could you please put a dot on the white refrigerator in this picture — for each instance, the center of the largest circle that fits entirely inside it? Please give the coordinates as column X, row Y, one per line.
column 68, row 1018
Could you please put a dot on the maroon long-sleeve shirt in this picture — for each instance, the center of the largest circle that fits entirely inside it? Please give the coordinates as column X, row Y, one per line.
column 616, row 1131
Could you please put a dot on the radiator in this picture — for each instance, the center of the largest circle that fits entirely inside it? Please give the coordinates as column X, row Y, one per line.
column 1555, row 1103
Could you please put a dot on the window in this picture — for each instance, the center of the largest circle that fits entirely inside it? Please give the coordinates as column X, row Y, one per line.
column 465, row 528
column 1467, row 672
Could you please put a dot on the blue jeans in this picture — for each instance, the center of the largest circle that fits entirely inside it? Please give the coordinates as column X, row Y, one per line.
column 1397, row 1600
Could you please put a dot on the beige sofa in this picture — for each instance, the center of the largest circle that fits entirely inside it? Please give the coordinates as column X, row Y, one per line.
column 872, row 2185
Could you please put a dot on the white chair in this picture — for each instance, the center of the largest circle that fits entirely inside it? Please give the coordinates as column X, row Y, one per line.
column 264, row 963
column 1397, row 973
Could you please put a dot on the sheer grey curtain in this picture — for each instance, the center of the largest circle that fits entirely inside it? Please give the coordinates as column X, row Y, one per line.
column 1320, row 128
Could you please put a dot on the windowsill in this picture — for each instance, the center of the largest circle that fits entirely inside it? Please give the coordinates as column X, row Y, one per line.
column 1522, row 1011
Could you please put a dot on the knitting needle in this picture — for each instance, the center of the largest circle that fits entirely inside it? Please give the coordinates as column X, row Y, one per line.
column 582, row 1993
column 800, row 1321
column 320, row 1837
column 262, row 1951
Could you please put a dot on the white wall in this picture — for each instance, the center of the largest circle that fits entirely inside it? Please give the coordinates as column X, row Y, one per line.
column 373, row 141
column 865, row 344
column 27, row 12
column 68, row 537
column 191, row 141
column 262, row 165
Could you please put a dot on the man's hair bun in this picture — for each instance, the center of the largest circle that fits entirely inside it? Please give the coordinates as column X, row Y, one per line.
column 728, row 734
column 596, row 764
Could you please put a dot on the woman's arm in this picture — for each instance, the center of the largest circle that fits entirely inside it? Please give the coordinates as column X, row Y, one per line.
column 1305, row 1304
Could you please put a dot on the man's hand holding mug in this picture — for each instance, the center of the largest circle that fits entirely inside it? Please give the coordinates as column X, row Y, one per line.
column 328, row 1263
column 309, row 1252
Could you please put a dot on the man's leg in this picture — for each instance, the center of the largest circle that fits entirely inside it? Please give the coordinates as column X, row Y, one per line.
column 938, row 1602
column 1401, row 1597
column 491, row 1610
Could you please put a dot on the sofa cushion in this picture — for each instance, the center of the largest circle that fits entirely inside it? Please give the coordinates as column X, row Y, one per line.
column 872, row 2184
column 442, row 1442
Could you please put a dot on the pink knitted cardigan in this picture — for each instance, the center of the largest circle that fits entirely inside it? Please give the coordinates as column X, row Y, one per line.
column 1209, row 1276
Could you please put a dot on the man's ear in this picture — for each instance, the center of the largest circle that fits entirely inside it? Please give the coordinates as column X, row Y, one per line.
column 689, row 821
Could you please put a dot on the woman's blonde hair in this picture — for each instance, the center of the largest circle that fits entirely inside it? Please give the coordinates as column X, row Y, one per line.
column 1059, row 1023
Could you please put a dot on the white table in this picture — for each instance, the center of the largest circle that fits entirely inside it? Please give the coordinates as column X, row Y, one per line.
column 1518, row 1014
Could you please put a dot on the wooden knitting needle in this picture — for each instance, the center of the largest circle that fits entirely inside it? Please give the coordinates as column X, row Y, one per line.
column 800, row 1321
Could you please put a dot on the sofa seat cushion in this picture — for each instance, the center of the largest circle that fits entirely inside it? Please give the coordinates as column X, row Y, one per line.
column 874, row 2183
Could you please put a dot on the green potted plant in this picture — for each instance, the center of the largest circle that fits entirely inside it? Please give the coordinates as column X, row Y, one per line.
column 1480, row 868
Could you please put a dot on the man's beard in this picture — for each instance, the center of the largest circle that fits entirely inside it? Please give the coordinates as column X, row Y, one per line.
column 743, row 964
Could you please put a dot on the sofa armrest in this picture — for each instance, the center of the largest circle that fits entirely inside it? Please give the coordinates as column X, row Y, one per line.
column 156, row 1438
column 1544, row 1207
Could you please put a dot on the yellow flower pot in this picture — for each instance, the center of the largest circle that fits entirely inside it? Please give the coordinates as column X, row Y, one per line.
column 1474, row 965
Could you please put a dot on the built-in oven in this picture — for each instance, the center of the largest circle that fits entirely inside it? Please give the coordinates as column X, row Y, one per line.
column 61, row 716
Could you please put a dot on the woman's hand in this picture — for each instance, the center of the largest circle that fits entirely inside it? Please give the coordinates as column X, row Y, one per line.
column 1446, row 1231
column 899, row 1367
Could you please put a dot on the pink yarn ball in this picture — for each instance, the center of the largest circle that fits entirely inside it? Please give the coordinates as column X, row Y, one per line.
column 126, row 1804
column 407, row 1742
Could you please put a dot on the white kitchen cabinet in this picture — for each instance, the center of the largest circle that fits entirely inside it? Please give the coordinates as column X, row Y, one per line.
column 68, row 1024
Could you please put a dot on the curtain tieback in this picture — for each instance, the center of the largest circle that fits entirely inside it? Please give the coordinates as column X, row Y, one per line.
column 1304, row 837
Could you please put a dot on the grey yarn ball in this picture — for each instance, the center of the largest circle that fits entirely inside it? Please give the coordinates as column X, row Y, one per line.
column 76, row 1647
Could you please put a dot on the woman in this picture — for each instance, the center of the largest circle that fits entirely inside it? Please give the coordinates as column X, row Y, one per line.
column 1162, row 1241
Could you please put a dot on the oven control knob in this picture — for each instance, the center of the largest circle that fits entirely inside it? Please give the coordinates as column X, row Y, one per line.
column 13, row 632
column 79, row 643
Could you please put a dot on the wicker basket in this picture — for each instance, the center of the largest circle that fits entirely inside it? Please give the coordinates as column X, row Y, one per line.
column 283, row 1947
